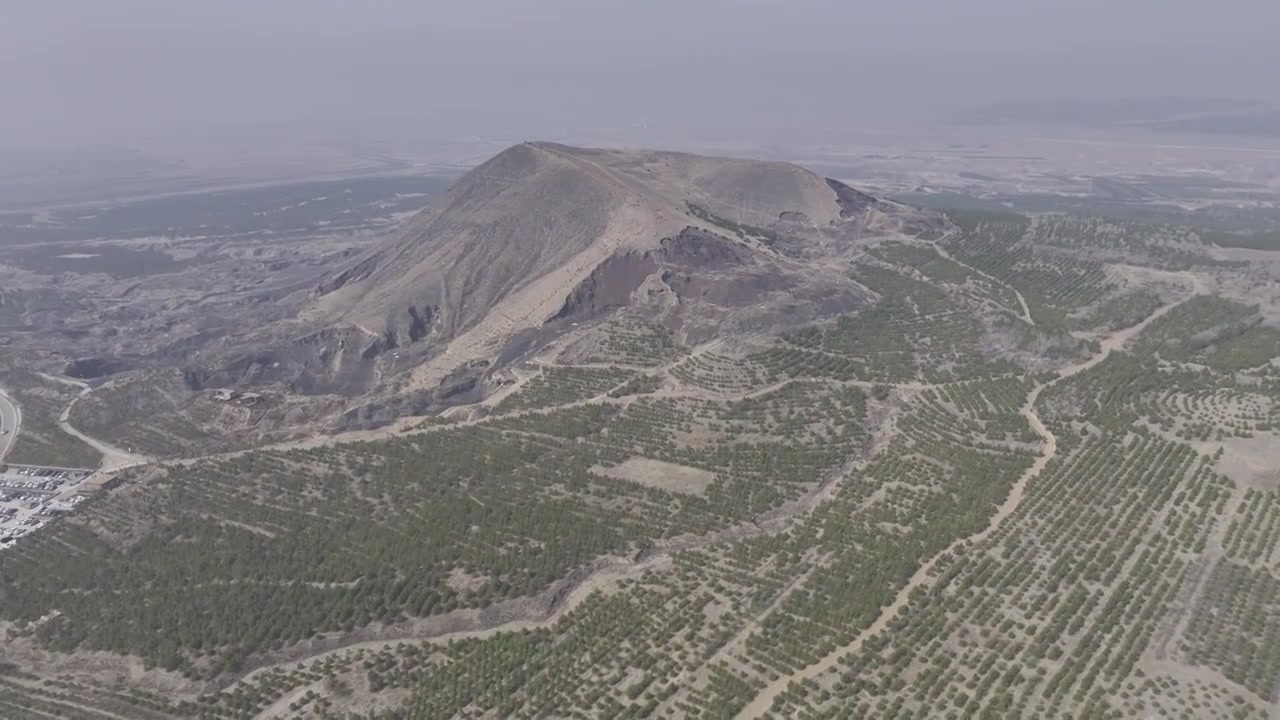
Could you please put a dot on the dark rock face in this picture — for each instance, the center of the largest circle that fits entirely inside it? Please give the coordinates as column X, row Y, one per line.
column 329, row 361
column 94, row 368
column 378, row 347
column 420, row 325
column 694, row 251
column 852, row 202
column 523, row 342
column 382, row 412
column 465, row 385
column 355, row 273
column 699, row 249
column 607, row 288
column 735, row 290
column 703, row 284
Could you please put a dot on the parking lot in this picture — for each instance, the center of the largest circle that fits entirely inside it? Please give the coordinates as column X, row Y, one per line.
column 30, row 497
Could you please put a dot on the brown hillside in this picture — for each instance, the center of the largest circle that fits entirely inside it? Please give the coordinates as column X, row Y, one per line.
column 519, row 232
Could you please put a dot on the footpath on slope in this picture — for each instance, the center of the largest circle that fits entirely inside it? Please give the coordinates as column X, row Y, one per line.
column 764, row 700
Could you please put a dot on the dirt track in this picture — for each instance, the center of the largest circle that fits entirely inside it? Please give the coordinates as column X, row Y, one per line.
column 1022, row 302
column 764, row 700
column 113, row 458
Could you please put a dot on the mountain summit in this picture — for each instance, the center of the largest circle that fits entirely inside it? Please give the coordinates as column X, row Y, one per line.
column 545, row 232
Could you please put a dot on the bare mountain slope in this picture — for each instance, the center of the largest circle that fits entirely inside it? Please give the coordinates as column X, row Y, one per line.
column 511, row 241
column 546, row 240
column 531, row 209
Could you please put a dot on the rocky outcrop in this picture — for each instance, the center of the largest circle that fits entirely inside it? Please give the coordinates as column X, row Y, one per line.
column 353, row 274
column 703, row 284
column 853, row 202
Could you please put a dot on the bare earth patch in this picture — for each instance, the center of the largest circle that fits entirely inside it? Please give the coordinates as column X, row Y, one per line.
column 662, row 475
column 462, row 581
column 1252, row 462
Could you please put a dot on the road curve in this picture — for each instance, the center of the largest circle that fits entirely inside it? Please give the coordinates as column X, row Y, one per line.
column 113, row 458
column 10, row 421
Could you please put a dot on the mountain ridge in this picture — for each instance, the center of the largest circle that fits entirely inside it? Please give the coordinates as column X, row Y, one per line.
column 505, row 246
column 542, row 237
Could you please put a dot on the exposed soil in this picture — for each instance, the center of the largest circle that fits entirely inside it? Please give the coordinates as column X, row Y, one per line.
column 662, row 475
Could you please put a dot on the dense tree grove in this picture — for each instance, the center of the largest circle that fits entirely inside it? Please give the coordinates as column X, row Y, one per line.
column 1004, row 489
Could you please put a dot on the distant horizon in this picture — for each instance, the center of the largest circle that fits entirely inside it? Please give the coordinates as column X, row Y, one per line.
column 138, row 70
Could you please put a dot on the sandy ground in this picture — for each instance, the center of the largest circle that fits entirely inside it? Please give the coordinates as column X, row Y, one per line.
column 1251, row 462
column 662, row 475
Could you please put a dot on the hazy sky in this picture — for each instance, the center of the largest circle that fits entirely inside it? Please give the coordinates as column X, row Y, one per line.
column 119, row 70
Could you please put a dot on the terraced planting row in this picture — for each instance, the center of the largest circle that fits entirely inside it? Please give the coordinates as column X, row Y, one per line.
column 761, row 450
column 1055, row 284
column 1117, row 313
column 1223, row 335
column 1051, row 615
column 973, row 287
column 871, row 509
column 699, row 639
column 282, row 544
column 718, row 373
column 27, row 697
column 563, row 385
column 914, row 332
column 935, row 481
column 1163, row 246
column 625, row 341
column 1235, row 628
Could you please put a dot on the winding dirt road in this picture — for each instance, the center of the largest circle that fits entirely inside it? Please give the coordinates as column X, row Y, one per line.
column 113, row 458
column 764, row 700
column 10, row 421
column 1022, row 302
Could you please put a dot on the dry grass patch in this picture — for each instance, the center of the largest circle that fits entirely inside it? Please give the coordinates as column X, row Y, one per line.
column 1253, row 462
column 662, row 475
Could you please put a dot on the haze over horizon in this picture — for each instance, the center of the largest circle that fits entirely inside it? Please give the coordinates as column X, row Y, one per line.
column 746, row 359
column 91, row 74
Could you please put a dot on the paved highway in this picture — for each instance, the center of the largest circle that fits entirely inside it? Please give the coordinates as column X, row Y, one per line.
column 10, row 419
